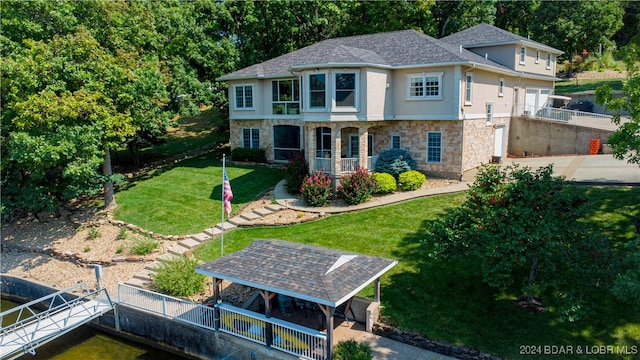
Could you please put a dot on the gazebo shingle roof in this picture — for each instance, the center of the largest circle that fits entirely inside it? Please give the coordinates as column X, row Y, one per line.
column 312, row 273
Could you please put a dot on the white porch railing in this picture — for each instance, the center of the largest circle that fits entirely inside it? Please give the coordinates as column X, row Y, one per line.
column 347, row 165
column 572, row 117
column 167, row 306
column 285, row 336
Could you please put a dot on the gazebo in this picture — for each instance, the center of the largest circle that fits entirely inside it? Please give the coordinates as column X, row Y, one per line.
column 326, row 277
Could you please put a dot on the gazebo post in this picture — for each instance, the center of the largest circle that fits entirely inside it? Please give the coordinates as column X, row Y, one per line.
column 376, row 290
column 267, row 296
column 329, row 312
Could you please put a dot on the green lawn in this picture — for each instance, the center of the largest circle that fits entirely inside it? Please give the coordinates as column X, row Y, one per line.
column 448, row 301
column 573, row 85
column 186, row 198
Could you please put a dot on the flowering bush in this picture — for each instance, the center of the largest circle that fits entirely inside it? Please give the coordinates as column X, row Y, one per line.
column 386, row 183
column 411, row 180
column 294, row 173
column 357, row 187
column 316, row 189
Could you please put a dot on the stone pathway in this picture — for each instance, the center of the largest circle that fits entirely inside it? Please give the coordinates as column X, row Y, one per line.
column 143, row 278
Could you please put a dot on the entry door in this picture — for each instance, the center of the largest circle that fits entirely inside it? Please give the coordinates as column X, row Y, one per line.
column 498, row 145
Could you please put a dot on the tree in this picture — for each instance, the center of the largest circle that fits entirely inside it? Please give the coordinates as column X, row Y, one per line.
column 368, row 17
column 523, row 228
column 454, row 16
column 625, row 141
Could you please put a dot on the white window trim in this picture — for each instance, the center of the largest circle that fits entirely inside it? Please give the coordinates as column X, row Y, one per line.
column 523, row 59
column 333, row 87
column 549, row 60
column 274, row 148
column 327, row 92
column 399, row 141
column 250, row 138
column 299, row 102
column 439, row 75
column 489, row 106
column 468, row 86
column 253, row 96
column 427, row 147
column 537, row 56
column 501, row 87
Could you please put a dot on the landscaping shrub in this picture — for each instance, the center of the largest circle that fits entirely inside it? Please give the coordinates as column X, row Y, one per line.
column 294, row 173
column 352, row 350
column 411, row 180
column 385, row 183
column 144, row 246
column 179, row 278
column 316, row 189
column 357, row 187
column 246, row 154
column 395, row 162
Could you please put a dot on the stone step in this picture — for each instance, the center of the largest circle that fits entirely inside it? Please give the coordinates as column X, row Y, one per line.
column 262, row 211
column 152, row 266
column 201, row 237
column 189, row 243
column 274, row 207
column 144, row 275
column 250, row 216
column 138, row 282
column 227, row 226
column 177, row 250
column 211, row 232
column 236, row 220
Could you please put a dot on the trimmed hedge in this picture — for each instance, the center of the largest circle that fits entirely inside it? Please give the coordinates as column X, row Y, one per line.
column 411, row 180
column 386, row 183
column 246, row 154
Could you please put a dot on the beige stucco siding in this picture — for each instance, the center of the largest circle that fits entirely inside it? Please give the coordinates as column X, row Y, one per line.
column 442, row 108
column 530, row 64
column 376, row 99
column 486, row 90
column 502, row 54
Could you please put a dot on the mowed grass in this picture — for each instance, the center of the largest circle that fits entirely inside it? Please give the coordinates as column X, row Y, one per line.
column 572, row 86
column 448, row 300
column 187, row 198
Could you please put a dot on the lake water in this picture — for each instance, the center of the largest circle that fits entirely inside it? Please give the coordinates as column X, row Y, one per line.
column 86, row 343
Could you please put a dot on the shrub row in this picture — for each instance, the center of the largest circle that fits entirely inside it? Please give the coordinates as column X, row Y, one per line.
column 246, row 154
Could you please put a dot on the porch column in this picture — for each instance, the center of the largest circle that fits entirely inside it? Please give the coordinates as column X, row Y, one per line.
column 329, row 312
column 217, row 287
column 310, row 148
column 363, row 142
column 267, row 296
column 336, row 149
column 376, row 290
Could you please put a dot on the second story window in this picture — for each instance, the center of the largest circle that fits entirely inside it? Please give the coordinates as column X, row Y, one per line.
column 537, row 56
column 346, row 90
column 285, row 96
column 318, row 91
column 501, row 87
column 523, row 55
column 243, row 96
column 424, row 86
column 548, row 61
column 468, row 91
column 395, row 141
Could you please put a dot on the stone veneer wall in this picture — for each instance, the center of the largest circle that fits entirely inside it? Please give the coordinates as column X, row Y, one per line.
column 266, row 133
column 479, row 141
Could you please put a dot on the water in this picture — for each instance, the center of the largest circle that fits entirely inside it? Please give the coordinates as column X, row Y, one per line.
column 86, row 343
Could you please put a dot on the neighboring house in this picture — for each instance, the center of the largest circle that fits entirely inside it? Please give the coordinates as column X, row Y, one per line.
column 344, row 100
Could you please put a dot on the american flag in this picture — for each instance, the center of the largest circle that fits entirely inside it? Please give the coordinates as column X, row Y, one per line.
column 227, row 195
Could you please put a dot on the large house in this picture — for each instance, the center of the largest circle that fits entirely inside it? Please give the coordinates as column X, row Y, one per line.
column 342, row 101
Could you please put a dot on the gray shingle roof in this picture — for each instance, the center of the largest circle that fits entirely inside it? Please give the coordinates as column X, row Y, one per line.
column 484, row 34
column 395, row 49
column 298, row 270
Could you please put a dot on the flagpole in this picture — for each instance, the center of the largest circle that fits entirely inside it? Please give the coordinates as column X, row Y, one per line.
column 222, row 220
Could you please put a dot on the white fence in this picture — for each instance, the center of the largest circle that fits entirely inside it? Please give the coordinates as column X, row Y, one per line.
column 574, row 117
column 279, row 334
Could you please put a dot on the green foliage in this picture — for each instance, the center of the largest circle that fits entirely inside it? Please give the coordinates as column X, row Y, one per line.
column 247, row 154
column 294, row 173
column 178, row 277
column 352, row 350
column 395, row 161
column 386, row 183
column 316, row 189
column 123, row 234
column 94, row 233
column 625, row 141
column 411, row 180
column 522, row 227
column 357, row 188
column 626, row 286
column 144, row 246
column 599, row 61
